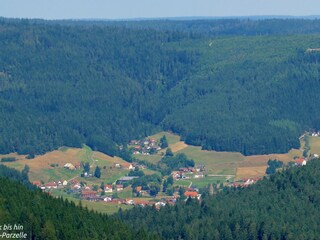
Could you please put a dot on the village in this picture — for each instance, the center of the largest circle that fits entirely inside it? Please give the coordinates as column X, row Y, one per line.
column 139, row 183
column 146, row 146
column 109, row 192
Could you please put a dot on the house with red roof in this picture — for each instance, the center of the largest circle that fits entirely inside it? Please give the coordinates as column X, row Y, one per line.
column 141, row 203
column 300, row 162
column 51, row 185
column 37, row 183
column 127, row 165
column 192, row 194
column 85, row 194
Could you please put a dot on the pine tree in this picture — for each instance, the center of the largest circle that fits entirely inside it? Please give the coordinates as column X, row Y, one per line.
column 163, row 142
column 97, row 172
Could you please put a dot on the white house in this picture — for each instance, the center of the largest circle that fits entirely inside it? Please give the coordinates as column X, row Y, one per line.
column 108, row 188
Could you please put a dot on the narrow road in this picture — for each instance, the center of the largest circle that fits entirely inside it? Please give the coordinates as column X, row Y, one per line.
column 226, row 176
column 215, row 175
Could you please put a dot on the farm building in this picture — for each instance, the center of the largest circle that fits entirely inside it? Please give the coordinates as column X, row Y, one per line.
column 300, row 162
column 88, row 194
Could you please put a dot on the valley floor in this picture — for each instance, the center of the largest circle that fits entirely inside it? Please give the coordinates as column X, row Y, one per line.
column 220, row 168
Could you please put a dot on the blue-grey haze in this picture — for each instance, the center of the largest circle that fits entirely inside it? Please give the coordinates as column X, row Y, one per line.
column 119, row 9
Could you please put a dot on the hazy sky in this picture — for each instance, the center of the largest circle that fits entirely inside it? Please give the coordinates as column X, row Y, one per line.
column 111, row 9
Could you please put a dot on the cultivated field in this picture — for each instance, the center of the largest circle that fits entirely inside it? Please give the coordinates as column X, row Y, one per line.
column 261, row 160
column 250, row 172
column 41, row 166
column 154, row 159
column 178, row 146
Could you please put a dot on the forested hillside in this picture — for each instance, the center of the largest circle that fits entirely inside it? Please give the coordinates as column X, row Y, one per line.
column 73, row 85
column 43, row 217
column 104, row 84
column 284, row 207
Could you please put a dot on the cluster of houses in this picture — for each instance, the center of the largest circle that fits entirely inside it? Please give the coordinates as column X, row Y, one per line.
column 158, row 204
column 50, row 185
column 245, row 182
column 126, row 165
column 86, row 192
column 91, row 195
column 147, row 146
column 315, row 134
column 184, row 173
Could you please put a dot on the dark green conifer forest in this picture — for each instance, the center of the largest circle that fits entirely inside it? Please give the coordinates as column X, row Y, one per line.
column 244, row 85
column 286, row 206
column 44, row 217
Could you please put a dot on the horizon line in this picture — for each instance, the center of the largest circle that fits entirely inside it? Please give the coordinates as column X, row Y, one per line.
column 177, row 18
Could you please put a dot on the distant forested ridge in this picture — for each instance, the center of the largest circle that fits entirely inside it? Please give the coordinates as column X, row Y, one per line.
column 284, row 207
column 43, row 217
column 223, row 27
column 69, row 83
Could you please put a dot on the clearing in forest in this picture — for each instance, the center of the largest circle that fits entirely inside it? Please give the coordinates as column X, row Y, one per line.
column 178, row 146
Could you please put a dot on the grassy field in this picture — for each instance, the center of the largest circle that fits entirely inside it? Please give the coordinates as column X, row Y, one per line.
column 182, row 183
column 126, row 193
column 261, row 160
column 224, row 163
column 41, row 169
column 314, row 145
column 295, row 153
column 171, row 138
column 154, row 159
column 204, row 182
column 101, row 207
column 150, row 172
column 199, row 182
